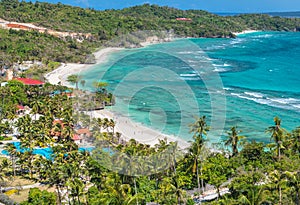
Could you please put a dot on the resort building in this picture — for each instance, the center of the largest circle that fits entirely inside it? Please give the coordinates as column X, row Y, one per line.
column 77, row 139
column 183, row 19
column 29, row 81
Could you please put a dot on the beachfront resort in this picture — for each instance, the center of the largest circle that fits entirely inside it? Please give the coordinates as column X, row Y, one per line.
column 66, row 156
column 62, row 142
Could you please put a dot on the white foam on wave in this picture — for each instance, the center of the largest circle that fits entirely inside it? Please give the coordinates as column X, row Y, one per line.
column 221, row 65
column 185, row 52
column 189, row 75
column 220, row 70
column 242, row 96
column 264, row 36
column 284, row 103
column 296, row 106
column 236, row 41
column 190, row 78
column 284, row 100
column 254, row 94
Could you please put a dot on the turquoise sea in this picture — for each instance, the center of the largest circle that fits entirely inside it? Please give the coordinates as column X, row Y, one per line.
column 243, row 82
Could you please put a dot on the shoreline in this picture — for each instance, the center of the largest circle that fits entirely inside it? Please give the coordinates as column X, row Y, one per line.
column 134, row 130
column 126, row 126
column 61, row 73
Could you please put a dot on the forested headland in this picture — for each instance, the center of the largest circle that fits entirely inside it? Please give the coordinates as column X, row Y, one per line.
column 109, row 24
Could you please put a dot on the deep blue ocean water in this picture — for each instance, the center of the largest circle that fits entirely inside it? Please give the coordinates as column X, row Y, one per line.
column 242, row 82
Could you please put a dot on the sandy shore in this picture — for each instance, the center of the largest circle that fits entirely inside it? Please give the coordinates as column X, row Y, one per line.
column 137, row 131
column 62, row 72
column 124, row 125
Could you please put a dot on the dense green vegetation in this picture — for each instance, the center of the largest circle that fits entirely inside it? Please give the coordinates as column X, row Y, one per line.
column 23, row 45
column 109, row 24
column 255, row 173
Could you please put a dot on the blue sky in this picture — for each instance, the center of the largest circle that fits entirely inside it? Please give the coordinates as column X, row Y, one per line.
column 238, row 6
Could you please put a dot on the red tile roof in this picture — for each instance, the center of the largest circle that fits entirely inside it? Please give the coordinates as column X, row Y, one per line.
column 29, row 81
column 76, row 137
column 83, row 131
column 20, row 107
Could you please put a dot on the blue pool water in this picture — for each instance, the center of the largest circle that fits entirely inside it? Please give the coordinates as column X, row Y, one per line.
column 45, row 152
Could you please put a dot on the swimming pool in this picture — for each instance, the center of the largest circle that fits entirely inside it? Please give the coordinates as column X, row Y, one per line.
column 45, row 152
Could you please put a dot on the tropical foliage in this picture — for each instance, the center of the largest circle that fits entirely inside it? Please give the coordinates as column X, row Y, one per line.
column 117, row 172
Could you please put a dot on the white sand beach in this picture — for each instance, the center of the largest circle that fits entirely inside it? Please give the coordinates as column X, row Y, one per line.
column 62, row 72
column 137, row 131
column 124, row 125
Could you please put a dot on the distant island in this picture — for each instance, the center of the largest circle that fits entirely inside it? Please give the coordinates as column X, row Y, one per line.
column 289, row 14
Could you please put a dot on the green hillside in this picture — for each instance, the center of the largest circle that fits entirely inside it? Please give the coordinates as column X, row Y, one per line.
column 108, row 24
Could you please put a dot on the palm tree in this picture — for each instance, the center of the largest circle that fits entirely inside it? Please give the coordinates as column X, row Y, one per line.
column 105, row 124
column 278, row 134
column 179, row 192
column 77, row 188
column 257, row 196
column 13, row 153
column 112, row 125
column 37, row 107
column 74, row 79
column 99, row 123
column 233, row 140
column 28, row 159
column 293, row 181
column 5, row 128
column 3, row 177
column 294, row 141
column 116, row 192
column 277, row 181
column 100, row 86
column 198, row 128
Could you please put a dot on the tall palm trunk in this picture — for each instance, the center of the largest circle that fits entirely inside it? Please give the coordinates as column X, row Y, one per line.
column 13, row 165
column 202, row 182
column 279, row 153
column 78, row 199
column 31, row 166
column 280, row 195
column 135, row 190
column 59, row 195
column 198, row 179
column 297, row 196
column 218, row 192
column 179, row 200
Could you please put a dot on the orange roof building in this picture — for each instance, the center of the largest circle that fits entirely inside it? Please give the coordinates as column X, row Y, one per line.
column 29, row 81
